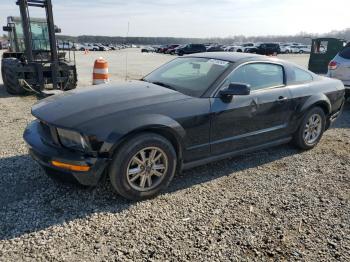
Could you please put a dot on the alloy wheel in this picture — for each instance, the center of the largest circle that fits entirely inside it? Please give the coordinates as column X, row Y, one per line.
column 313, row 129
column 147, row 169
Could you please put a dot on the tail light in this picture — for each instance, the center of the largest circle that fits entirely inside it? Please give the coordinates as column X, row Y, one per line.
column 332, row 65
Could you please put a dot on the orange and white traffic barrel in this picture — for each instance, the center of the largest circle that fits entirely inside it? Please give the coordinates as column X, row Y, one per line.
column 100, row 74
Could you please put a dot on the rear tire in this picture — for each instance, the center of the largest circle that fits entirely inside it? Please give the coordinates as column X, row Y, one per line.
column 311, row 129
column 10, row 76
column 143, row 167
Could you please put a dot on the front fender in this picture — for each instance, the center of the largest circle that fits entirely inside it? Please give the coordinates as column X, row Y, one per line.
column 141, row 123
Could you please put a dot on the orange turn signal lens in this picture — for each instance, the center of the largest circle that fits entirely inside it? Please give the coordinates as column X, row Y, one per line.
column 70, row 167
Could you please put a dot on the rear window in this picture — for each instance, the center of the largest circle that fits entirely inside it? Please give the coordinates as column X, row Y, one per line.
column 345, row 53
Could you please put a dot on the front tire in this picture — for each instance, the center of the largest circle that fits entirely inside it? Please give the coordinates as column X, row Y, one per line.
column 311, row 129
column 143, row 167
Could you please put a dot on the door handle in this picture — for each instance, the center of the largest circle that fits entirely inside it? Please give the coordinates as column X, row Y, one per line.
column 282, row 99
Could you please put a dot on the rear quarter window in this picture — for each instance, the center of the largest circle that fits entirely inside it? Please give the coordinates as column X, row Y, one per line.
column 345, row 53
column 299, row 76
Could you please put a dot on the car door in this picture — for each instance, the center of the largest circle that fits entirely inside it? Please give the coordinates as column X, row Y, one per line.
column 188, row 49
column 255, row 119
column 262, row 49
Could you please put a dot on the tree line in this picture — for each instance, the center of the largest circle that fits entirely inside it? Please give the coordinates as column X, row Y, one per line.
column 302, row 37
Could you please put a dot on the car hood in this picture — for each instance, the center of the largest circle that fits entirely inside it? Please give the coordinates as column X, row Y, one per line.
column 74, row 109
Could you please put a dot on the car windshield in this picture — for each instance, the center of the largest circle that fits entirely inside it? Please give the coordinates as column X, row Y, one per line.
column 189, row 75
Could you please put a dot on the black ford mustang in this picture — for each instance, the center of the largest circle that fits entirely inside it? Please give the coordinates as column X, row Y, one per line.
column 191, row 111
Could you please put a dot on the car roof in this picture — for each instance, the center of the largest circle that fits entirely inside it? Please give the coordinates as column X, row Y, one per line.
column 232, row 56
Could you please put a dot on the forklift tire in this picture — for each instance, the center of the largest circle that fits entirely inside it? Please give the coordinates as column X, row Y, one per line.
column 3, row 76
column 10, row 76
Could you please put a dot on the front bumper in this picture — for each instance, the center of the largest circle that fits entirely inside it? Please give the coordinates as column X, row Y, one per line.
column 44, row 153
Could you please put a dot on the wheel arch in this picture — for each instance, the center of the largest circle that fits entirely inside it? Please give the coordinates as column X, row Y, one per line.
column 157, row 124
column 319, row 100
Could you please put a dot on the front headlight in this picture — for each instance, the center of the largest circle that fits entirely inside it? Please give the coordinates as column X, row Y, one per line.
column 72, row 139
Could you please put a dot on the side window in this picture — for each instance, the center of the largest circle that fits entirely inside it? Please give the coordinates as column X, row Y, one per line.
column 300, row 76
column 345, row 53
column 258, row 76
column 320, row 47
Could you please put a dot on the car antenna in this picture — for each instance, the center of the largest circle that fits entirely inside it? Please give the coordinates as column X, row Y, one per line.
column 127, row 52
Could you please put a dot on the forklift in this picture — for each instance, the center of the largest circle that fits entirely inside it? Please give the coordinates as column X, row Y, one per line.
column 33, row 62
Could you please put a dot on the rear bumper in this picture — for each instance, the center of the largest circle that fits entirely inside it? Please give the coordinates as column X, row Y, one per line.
column 336, row 114
column 44, row 154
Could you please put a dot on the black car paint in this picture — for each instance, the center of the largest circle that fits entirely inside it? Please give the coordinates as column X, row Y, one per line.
column 265, row 49
column 190, row 49
column 201, row 129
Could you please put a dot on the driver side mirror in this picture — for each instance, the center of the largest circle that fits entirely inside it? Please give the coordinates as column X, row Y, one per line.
column 235, row 89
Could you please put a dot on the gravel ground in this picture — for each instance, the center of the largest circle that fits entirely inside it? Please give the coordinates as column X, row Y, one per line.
column 276, row 204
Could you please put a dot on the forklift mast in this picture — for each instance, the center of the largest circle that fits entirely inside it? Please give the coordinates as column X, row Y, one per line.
column 28, row 37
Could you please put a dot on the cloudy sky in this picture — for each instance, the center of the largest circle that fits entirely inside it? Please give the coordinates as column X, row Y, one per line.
column 193, row 18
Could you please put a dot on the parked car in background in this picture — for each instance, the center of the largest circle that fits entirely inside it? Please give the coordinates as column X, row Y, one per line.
column 147, row 49
column 265, row 49
column 171, row 49
column 322, row 52
column 189, row 112
column 228, row 48
column 339, row 68
column 90, row 47
column 162, row 48
column 215, row 48
column 301, row 49
column 102, row 47
column 285, row 48
column 239, row 48
column 112, row 47
column 190, row 49
column 62, row 45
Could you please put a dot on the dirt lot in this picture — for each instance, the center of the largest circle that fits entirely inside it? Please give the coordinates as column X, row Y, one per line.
column 276, row 204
